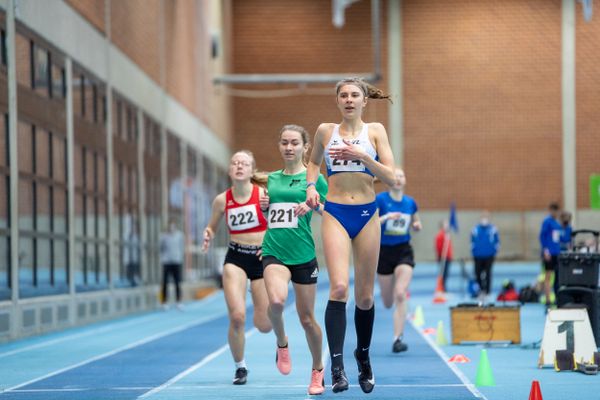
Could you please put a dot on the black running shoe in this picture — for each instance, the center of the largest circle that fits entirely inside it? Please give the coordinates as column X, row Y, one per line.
column 366, row 380
column 240, row 376
column 398, row 346
column 339, row 381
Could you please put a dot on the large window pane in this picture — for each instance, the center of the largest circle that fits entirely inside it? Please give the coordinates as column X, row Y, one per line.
column 4, row 184
column 92, row 263
column 60, row 210
column 4, row 264
column 79, row 214
column 101, row 171
column 103, row 264
column 79, row 166
column 60, row 263
column 59, row 162
column 102, row 217
column 91, row 218
column 25, row 147
column 58, row 81
column 23, row 60
column 43, row 262
column 3, row 142
column 43, row 208
column 41, row 73
column 25, row 205
column 90, row 170
column 80, row 264
column 26, row 271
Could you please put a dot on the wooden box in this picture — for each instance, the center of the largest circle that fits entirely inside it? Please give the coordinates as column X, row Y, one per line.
column 485, row 324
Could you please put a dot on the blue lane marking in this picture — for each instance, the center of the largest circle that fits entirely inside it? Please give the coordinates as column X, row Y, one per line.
column 131, row 373
column 135, row 370
column 415, row 374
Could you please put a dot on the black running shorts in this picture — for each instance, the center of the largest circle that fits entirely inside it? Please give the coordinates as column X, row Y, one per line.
column 304, row 274
column 392, row 256
column 244, row 256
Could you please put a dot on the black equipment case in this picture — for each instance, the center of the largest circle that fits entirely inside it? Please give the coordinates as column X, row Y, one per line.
column 581, row 265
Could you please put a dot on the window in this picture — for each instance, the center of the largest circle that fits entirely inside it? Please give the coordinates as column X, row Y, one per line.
column 126, row 193
column 41, row 70
column 4, row 210
column 42, row 212
column 153, row 196
column 42, row 171
column 23, row 60
column 92, row 270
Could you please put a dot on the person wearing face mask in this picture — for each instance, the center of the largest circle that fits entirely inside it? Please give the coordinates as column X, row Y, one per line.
column 240, row 205
column 485, row 242
column 355, row 152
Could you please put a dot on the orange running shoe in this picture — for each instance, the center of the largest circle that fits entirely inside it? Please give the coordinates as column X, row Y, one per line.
column 282, row 358
column 317, row 382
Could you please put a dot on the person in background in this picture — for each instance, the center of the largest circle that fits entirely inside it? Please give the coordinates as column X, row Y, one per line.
column 550, row 233
column 443, row 250
column 132, row 256
column 288, row 251
column 172, row 248
column 485, row 242
column 398, row 214
column 240, row 205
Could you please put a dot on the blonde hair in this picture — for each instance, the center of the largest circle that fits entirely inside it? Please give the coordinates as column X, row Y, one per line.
column 258, row 177
column 370, row 91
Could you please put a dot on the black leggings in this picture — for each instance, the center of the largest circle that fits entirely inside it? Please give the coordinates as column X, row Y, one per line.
column 174, row 270
column 483, row 273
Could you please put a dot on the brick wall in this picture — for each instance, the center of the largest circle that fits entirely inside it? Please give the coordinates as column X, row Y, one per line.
column 587, row 94
column 483, row 103
column 135, row 30
column 187, row 64
column 482, row 85
column 482, row 92
column 295, row 37
column 92, row 10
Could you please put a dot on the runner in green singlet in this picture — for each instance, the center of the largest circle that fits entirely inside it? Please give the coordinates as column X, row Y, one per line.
column 288, row 250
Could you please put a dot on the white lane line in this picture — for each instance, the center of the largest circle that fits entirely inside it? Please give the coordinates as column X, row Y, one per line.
column 113, row 326
column 71, row 337
column 221, row 386
column 193, row 368
column 209, row 358
column 117, row 350
column 466, row 382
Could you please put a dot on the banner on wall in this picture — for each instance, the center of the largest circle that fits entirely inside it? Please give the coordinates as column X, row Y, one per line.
column 595, row 191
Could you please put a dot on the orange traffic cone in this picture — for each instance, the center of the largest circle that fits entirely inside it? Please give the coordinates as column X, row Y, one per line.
column 535, row 393
column 439, row 296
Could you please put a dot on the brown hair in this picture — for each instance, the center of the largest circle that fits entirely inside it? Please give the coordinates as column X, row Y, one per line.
column 303, row 134
column 370, row 91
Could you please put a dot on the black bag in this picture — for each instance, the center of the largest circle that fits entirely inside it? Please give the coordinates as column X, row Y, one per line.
column 528, row 295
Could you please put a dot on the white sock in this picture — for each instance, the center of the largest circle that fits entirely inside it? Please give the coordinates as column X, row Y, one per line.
column 241, row 364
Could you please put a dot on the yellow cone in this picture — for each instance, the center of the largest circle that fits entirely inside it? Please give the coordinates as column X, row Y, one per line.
column 419, row 319
column 440, row 337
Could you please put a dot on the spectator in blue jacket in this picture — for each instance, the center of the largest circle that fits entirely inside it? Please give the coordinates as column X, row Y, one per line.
column 550, row 234
column 485, row 242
